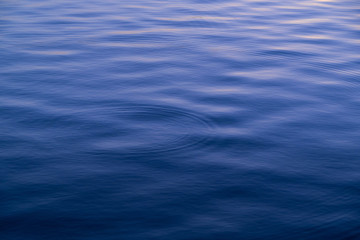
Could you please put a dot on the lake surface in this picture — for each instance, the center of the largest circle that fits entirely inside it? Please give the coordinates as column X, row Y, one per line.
column 181, row 120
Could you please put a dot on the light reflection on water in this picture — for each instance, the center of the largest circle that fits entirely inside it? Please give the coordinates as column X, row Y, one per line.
column 179, row 119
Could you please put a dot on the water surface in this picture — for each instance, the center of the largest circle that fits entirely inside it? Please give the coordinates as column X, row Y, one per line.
column 183, row 120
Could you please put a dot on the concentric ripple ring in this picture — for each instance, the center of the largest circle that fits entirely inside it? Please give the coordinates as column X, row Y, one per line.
column 153, row 129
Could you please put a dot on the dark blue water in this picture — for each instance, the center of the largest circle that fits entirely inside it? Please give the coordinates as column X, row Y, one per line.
column 181, row 120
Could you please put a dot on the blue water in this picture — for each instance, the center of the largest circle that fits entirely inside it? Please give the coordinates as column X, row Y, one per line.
column 181, row 120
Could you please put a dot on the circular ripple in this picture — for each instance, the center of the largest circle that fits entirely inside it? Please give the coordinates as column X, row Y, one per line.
column 148, row 129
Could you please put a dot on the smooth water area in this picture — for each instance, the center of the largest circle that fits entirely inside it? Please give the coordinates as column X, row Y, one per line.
column 181, row 120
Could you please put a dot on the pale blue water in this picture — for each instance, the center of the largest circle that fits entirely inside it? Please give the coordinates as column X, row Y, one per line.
column 181, row 120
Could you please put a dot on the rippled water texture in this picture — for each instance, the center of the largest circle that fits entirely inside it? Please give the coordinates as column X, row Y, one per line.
column 181, row 120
